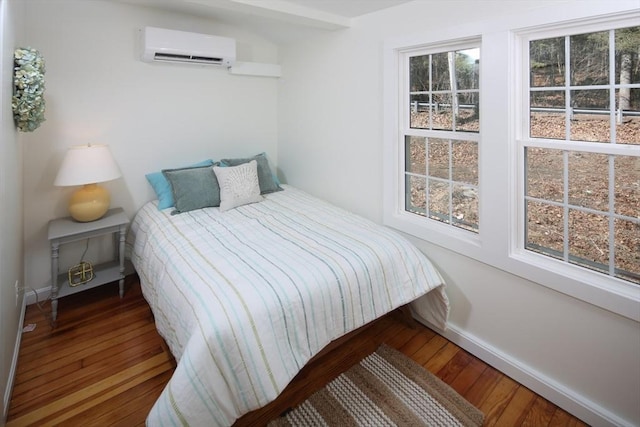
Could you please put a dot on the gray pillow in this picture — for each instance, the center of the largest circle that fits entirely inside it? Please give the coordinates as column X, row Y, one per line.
column 268, row 183
column 193, row 188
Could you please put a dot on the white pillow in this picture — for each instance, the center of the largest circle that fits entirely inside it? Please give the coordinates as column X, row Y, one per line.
column 239, row 185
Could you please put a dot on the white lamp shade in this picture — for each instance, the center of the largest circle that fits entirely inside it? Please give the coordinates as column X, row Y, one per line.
column 87, row 164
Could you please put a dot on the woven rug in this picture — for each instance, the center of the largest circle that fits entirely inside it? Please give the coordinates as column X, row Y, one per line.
column 385, row 389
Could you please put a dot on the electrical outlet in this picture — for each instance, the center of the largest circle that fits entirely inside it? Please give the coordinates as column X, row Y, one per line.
column 18, row 291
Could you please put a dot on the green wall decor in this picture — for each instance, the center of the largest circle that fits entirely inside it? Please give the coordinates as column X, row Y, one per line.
column 28, row 89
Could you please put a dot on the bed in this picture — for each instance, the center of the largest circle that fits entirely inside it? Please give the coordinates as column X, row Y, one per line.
column 245, row 298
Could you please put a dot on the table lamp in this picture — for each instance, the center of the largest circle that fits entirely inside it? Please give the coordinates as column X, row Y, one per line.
column 88, row 165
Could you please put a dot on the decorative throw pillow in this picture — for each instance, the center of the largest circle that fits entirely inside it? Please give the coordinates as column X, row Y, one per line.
column 193, row 188
column 162, row 187
column 238, row 185
column 268, row 182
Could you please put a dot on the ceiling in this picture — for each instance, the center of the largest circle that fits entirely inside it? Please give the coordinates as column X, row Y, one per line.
column 348, row 8
column 277, row 20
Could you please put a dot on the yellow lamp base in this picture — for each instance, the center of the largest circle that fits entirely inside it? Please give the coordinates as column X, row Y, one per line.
column 89, row 203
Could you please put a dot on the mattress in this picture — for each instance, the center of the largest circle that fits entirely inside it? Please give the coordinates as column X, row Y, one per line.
column 245, row 298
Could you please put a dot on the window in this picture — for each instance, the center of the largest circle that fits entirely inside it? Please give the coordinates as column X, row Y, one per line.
column 581, row 149
column 441, row 132
column 539, row 176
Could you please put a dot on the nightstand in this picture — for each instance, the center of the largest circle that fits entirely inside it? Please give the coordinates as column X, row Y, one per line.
column 66, row 230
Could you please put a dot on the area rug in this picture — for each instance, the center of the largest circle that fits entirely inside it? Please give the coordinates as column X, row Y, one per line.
column 385, row 389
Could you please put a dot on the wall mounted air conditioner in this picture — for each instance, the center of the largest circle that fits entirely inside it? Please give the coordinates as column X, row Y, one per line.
column 159, row 44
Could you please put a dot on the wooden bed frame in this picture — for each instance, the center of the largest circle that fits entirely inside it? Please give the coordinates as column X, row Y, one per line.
column 283, row 403
column 404, row 312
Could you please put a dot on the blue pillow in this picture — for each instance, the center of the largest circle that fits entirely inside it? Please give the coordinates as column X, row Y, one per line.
column 162, row 187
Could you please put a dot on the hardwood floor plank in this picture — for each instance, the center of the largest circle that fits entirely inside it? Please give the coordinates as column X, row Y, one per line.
column 442, row 357
column 417, row 341
column 468, row 376
column 73, row 353
column 401, row 337
column 456, row 365
column 562, row 418
column 85, row 347
column 539, row 414
column 89, row 405
column 495, row 403
column 87, row 397
column 71, row 338
column 123, row 409
column 518, row 407
column 483, row 386
column 86, row 307
column 60, row 382
column 105, row 364
column 427, row 351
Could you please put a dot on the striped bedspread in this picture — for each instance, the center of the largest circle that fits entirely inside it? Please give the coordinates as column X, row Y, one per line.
column 246, row 297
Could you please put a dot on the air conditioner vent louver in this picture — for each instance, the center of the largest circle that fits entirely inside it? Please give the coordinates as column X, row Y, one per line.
column 181, row 46
column 206, row 59
column 186, row 58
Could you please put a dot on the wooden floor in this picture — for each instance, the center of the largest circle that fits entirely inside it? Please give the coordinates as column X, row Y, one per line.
column 104, row 365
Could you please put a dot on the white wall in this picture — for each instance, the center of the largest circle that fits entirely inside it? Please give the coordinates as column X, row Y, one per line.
column 11, row 201
column 331, row 143
column 153, row 116
column 323, row 122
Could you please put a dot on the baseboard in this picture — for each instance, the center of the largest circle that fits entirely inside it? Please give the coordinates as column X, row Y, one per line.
column 14, row 363
column 565, row 398
column 35, row 295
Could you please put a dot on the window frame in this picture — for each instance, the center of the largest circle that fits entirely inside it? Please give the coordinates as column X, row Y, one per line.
column 593, row 279
column 412, row 223
column 406, row 130
column 500, row 240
